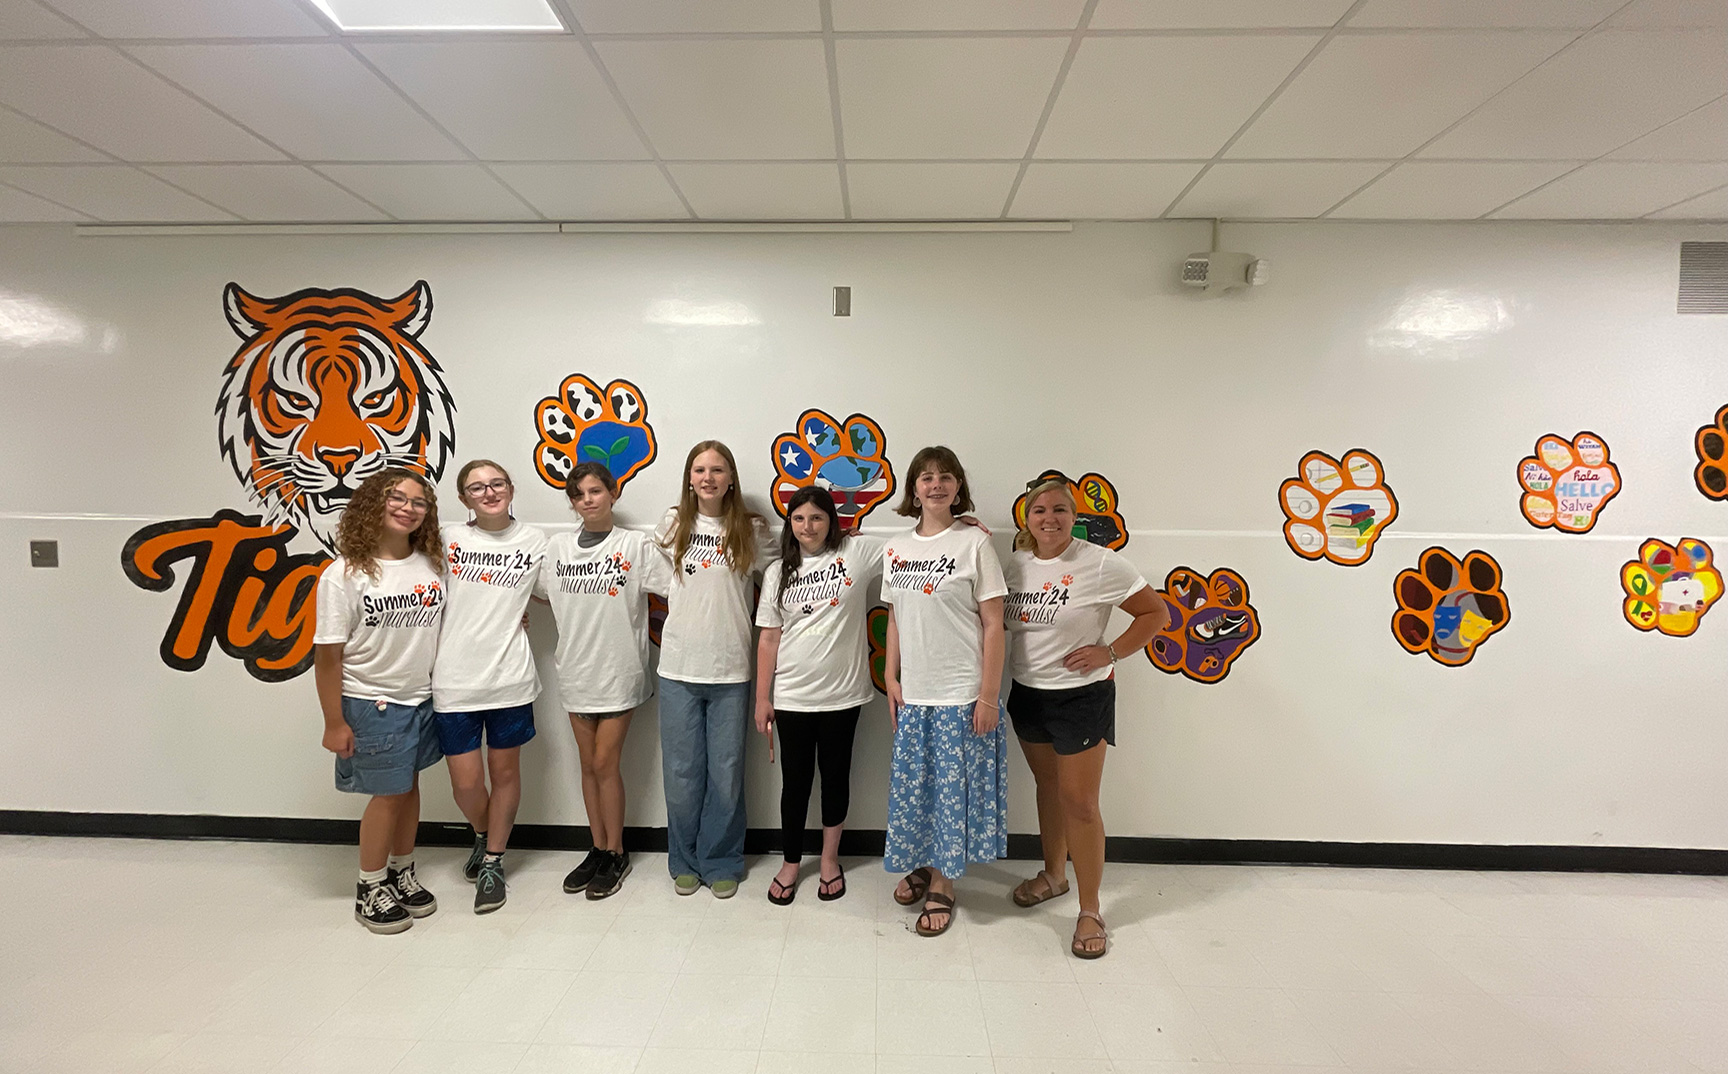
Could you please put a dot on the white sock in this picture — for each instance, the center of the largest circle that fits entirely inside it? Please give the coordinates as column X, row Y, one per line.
column 376, row 876
column 400, row 862
column 494, row 855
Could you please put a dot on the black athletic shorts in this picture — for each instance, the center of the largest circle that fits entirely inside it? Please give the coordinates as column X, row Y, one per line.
column 1072, row 720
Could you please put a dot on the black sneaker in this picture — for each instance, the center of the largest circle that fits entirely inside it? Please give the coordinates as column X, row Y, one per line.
column 581, row 876
column 489, row 886
column 471, row 867
column 375, row 906
column 405, row 886
column 610, row 876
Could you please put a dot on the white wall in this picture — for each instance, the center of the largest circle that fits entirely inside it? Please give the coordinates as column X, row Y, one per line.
column 1021, row 351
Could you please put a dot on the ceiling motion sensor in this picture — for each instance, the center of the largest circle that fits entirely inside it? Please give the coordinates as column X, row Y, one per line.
column 1217, row 271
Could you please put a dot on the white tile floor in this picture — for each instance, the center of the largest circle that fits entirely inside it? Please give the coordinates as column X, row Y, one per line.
column 120, row 956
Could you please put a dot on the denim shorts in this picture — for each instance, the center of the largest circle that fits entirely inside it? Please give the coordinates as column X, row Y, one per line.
column 391, row 743
column 459, row 732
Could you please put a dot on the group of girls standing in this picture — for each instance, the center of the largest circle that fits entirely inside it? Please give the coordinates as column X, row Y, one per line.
column 422, row 652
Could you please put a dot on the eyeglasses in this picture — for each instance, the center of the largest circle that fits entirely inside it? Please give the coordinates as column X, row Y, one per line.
column 398, row 500
column 497, row 484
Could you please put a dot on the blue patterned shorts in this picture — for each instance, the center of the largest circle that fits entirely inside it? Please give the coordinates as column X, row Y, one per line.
column 948, row 796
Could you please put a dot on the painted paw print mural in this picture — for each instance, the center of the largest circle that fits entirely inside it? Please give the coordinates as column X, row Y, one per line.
column 878, row 623
column 1448, row 608
column 1669, row 587
column 585, row 423
column 1567, row 482
column 847, row 458
column 1096, row 516
column 1211, row 624
column 1711, row 446
column 1336, row 509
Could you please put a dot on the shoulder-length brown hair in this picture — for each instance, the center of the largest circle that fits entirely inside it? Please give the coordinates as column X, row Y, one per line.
column 943, row 461
column 737, row 522
column 361, row 529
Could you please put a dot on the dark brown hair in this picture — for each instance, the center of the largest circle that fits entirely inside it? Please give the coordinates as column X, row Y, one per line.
column 596, row 470
column 791, row 552
column 943, row 461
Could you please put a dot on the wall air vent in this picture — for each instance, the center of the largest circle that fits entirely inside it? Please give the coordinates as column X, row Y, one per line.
column 1703, row 277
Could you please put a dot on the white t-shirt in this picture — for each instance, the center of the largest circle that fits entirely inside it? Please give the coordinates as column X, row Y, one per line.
column 824, row 660
column 484, row 661
column 707, row 636
column 1054, row 606
column 935, row 585
column 388, row 629
column 599, row 596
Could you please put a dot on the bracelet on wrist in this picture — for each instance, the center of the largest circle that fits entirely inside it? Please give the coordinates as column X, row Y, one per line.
column 1110, row 648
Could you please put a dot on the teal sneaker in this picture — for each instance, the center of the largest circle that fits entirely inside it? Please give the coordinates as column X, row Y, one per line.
column 489, row 886
column 471, row 867
column 686, row 884
column 724, row 889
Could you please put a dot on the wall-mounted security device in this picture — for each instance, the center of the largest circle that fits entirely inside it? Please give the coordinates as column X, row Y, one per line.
column 1216, row 271
column 842, row 301
column 44, row 553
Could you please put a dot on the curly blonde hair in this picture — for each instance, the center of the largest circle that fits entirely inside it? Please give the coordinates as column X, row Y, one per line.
column 361, row 529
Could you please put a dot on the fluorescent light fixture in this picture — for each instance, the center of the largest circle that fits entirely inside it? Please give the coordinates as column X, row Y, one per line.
column 409, row 16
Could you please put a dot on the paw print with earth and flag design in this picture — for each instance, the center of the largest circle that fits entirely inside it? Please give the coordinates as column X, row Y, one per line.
column 1669, row 587
column 1211, row 624
column 848, row 458
column 1337, row 508
column 1447, row 608
column 587, row 423
column 1096, row 517
column 1567, row 482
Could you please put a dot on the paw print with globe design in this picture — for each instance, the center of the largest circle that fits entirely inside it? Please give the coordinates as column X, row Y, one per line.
column 1567, row 482
column 1097, row 517
column 1336, row 509
column 587, row 423
column 1669, row 587
column 1211, row 624
column 848, row 458
column 1447, row 608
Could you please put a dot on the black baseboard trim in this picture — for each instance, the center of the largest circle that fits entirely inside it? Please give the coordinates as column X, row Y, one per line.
column 869, row 843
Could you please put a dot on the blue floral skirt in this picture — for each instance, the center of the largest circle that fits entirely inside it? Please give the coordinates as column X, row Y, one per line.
column 948, row 797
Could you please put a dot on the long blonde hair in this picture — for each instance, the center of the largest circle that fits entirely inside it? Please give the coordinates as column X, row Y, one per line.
column 1023, row 540
column 737, row 522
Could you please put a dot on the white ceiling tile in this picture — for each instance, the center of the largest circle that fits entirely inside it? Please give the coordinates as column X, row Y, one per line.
column 1616, row 190
column 1421, row 83
column 97, row 94
column 1700, row 135
column 1447, row 190
column 1605, row 90
column 193, row 18
column 761, row 191
column 27, row 20
column 514, row 100
column 957, row 14
column 428, row 192
column 269, row 193
column 595, row 191
column 929, row 191
column 1273, row 191
column 317, row 101
column 726, row 99
column 1711, row 206
column 1215, row 14
column 947, row 97
column 1099, row 191
column 113, row 193
column 25, row 141
column 1675, row 14
column 1551, row 14
column 1164, row 97
column 696, row 16
column 17, row 207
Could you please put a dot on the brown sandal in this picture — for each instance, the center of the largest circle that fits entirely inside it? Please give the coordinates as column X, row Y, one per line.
column 1079, row 945
column 944, row 905
column 1025, row 897
column 917, row 883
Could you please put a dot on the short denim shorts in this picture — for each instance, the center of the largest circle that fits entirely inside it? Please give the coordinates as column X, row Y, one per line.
column 391, row 743
column 459, row 732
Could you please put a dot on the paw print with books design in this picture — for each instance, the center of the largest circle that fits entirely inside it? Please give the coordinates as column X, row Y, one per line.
column 1336, row 509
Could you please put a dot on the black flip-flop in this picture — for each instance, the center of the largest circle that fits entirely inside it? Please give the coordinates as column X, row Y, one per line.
column 827, row 891
column 788, row 893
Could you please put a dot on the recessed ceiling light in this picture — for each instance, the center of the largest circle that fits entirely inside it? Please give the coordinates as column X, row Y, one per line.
column 400, row 16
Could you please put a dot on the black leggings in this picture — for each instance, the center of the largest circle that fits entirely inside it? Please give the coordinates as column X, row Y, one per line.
column 806, row 740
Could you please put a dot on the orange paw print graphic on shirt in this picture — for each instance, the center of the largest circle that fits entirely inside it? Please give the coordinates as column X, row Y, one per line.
column 1567, row 482
column 848, row 458
column 587, row 423
column 1337, row 508
column 1097, row 518
column 1669, row 587
column 1211, row 624
column 1447, row 608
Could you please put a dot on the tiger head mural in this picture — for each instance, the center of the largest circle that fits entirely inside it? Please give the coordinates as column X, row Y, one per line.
column 327, row 388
